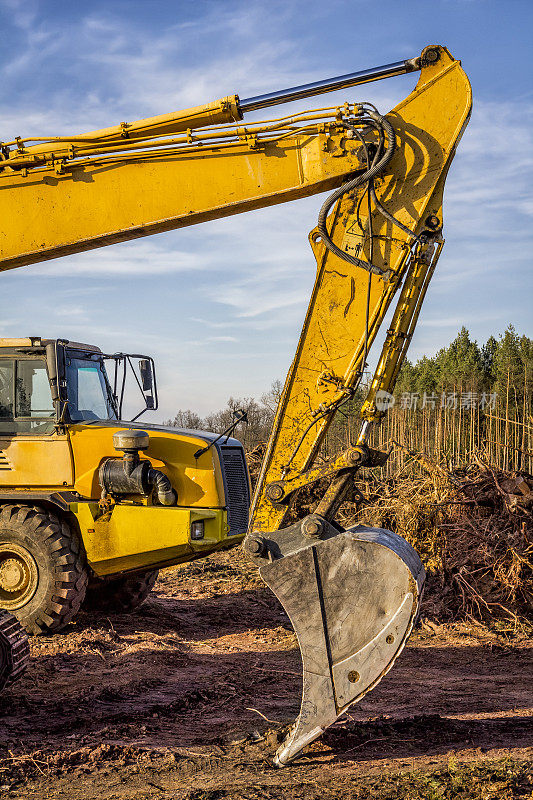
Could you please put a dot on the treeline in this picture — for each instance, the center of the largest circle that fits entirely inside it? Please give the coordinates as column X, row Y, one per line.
column 466, row 399
column 260, row 416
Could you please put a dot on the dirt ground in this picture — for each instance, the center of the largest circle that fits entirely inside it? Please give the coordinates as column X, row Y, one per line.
column 185, row 699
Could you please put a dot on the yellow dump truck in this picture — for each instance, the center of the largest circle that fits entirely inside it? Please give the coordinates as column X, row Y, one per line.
column 78, row 504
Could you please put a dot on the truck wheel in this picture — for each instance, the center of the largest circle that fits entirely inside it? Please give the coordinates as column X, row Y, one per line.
column 42, row 571
column 14, row 650
column 119, row 595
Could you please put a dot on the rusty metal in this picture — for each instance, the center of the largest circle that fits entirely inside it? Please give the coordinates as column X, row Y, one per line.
column 334, row 495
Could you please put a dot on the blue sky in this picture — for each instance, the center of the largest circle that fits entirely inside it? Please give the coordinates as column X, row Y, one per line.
column 220, row 305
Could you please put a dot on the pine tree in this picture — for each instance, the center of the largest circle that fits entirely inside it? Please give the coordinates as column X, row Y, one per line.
column 488, row 354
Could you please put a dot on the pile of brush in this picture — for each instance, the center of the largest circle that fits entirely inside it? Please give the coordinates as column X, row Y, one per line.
column 254, row 459
column 472, row 527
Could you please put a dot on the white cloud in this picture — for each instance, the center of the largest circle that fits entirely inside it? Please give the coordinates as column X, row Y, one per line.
column 491, row 173
column 451, row 321
column 139, row 73
column 22, row 13
column 142, row 259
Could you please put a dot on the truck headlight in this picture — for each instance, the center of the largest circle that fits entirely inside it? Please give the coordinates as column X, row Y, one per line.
column 197, row 530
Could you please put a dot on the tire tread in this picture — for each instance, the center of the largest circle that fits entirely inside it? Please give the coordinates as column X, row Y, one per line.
column 69, row 574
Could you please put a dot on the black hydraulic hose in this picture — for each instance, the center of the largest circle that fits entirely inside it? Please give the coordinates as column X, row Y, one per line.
column 384, row 211
column 389, row 216
column 354, row 184
column 163, row 488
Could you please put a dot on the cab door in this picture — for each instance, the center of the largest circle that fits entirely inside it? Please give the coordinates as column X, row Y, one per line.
column 32, row 452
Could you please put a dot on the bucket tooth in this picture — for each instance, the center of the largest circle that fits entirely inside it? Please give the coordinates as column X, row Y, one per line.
column 352, row 599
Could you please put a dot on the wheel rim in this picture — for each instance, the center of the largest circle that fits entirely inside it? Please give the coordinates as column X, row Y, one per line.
column 18, row 575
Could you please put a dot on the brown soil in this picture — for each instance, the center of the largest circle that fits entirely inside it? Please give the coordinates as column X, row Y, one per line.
column 186, row 698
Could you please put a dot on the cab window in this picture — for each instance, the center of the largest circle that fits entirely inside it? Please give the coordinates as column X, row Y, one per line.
column 25, row 399
column 89, row 394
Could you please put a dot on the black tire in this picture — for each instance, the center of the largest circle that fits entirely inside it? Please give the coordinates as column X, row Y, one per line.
column 14, row 650
column 119, row 595
column 43, row 578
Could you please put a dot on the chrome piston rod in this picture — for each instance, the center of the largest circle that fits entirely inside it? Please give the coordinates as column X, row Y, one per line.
column 329, row 85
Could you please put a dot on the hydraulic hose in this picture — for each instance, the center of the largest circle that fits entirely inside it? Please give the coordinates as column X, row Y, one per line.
column 354, row 184
column 389, row 216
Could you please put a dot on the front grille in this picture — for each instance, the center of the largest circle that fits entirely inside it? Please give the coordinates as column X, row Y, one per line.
column 237, row 491
column 4, row 461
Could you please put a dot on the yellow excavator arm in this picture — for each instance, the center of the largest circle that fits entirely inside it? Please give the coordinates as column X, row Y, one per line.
column 352, row 595
column 402, row 239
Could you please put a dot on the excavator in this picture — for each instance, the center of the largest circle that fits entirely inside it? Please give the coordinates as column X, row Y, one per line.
column 92, row 504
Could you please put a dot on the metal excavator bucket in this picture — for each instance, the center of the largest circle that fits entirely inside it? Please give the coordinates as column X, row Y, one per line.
column 352, row 597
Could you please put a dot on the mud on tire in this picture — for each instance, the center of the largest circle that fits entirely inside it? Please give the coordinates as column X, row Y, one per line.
column 119, row 595
column 43, row 578
column 14, row 650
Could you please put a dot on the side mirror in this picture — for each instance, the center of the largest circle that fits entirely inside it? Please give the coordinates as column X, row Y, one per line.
column 145, row 378
column 145, row 369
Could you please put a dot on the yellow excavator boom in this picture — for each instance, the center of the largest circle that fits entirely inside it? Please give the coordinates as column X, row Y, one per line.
column 348, row 303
